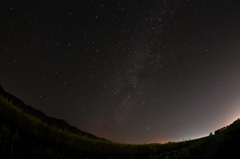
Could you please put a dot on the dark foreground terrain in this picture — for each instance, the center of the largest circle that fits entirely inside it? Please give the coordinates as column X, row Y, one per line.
column 224, row 144
column 28, row 133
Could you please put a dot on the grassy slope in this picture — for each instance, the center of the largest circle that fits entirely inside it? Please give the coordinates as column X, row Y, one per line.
column 22, row 135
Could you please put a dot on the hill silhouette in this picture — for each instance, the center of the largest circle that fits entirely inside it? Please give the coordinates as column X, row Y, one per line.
column 49, row 120
column 26, row 132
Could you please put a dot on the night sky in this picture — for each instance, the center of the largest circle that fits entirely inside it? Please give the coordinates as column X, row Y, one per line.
column 133, row 71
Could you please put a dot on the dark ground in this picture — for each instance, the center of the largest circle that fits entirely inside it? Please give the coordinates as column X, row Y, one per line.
column 224, row 144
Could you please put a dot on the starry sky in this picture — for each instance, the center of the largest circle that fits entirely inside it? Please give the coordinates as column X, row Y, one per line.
column 132, row 71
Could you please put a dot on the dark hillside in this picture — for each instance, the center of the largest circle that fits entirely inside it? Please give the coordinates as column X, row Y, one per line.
column 49, row 120
column 224, row 144
column 228, row 146
column 28, row 133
